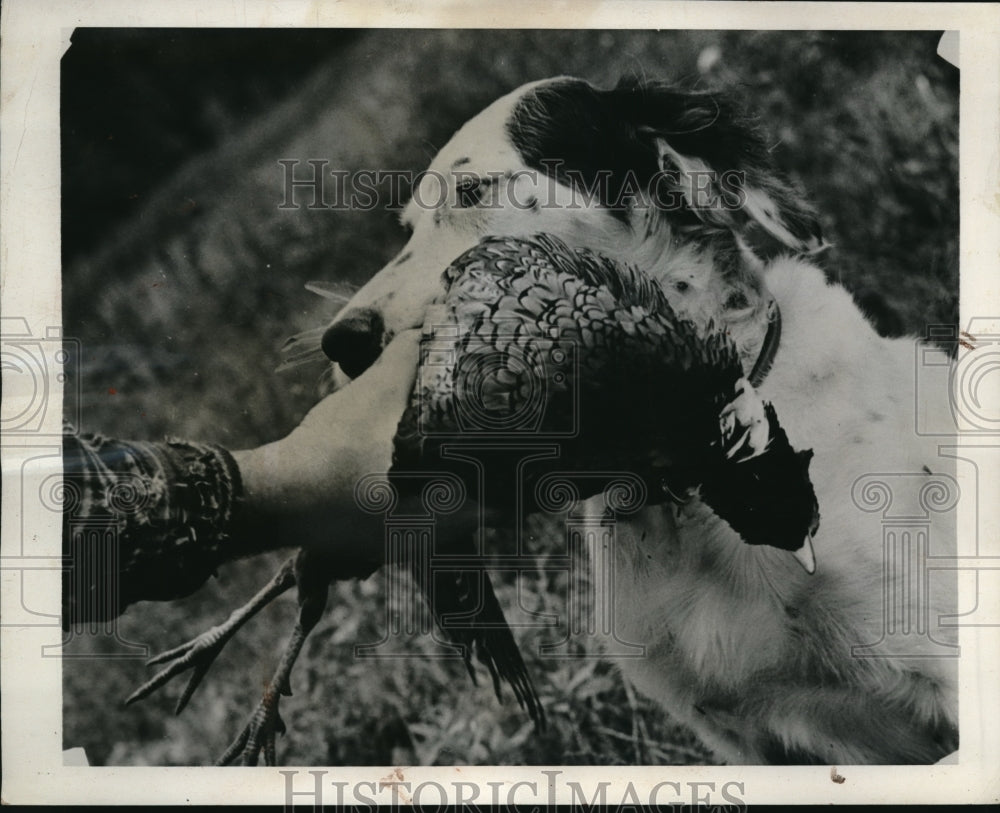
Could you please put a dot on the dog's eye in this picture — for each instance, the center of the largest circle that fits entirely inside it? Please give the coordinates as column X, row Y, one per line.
column 681, row 286
column 469, row 192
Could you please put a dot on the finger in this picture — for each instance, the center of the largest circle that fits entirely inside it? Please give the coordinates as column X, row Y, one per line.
column 345, row 436
column 381, row 393
column 395, row 370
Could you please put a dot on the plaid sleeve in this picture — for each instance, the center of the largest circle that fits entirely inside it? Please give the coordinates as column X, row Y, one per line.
column 142, row 521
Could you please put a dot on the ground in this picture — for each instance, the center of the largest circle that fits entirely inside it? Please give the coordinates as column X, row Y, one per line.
column 182, row 277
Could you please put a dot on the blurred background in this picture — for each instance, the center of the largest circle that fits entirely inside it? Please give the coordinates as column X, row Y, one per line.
column 182, row 278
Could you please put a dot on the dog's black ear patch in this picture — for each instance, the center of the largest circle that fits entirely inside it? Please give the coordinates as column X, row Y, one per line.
column 699, row 157
column 569, row 130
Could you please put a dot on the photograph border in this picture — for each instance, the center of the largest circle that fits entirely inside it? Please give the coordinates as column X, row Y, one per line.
column 35, row 35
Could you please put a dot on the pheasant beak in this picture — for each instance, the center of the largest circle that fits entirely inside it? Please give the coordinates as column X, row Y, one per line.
column 805, row 556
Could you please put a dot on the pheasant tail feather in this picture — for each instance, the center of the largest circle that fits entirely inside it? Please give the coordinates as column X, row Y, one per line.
column 466, row 609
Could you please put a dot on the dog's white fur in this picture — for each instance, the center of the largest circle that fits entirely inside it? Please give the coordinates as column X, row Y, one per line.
column 741, row 644
column 741, row 641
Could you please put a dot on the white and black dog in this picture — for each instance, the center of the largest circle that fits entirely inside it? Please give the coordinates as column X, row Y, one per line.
column 765, row 662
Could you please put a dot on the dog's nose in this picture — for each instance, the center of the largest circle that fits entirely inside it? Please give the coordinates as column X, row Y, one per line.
column 355, row 340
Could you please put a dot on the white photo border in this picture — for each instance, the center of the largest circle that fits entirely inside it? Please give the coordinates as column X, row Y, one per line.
column 34, row 37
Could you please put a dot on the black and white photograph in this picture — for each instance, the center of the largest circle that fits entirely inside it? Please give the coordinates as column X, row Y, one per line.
column 444, row 397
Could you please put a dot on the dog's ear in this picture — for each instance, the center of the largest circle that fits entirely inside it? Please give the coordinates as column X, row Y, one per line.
column 714, row 163
column 736, row 199
column 701, row 161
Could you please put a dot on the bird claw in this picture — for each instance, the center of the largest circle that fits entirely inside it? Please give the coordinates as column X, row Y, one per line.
column 258, row 734
column 197, row 654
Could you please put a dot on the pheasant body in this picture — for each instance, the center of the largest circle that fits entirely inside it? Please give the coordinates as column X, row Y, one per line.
column 535, row 339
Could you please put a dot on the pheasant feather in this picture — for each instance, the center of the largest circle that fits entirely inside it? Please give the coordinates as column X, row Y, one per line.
column 534, row 339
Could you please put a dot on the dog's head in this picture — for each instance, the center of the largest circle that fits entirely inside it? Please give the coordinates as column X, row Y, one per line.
column 679, row 183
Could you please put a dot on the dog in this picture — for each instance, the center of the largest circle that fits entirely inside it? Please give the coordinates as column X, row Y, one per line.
column 766, row 663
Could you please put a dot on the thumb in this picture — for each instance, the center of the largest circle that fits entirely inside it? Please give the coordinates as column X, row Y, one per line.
column 392, row 375
column 378, row 397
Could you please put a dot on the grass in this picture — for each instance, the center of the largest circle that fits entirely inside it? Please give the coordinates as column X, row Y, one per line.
column 182, row 296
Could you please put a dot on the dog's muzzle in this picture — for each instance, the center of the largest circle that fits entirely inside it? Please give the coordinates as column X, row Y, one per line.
column 355, row 340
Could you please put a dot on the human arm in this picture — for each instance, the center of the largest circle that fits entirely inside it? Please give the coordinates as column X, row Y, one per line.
column 153, row 521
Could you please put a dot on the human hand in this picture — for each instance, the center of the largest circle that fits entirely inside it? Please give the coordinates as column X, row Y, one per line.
column 305, row 482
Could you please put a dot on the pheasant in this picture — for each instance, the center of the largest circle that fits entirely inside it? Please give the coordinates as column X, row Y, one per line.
column 567, row 343
column 532, row 336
